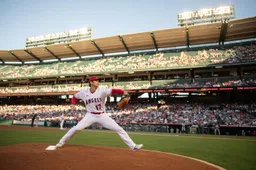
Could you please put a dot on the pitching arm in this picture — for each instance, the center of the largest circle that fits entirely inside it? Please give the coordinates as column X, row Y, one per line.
column 119, row 91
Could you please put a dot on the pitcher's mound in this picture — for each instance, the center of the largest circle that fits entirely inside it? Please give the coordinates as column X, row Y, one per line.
column 35, row 157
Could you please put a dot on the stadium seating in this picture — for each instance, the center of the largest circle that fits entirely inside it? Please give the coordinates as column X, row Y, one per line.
column 164, row 60
column 231, row 81
column 132, row 85
column 176, row 113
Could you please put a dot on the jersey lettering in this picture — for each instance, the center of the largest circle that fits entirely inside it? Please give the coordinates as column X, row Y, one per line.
column 95, row 102
column 98, row 107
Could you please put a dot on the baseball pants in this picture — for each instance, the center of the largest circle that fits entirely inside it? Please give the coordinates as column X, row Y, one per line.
column 102, row 119
column 61, row 124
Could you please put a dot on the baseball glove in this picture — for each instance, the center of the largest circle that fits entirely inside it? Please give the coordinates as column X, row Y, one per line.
column 123, row 102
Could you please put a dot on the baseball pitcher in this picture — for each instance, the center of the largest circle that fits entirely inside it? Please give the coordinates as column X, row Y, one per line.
column 94, row 99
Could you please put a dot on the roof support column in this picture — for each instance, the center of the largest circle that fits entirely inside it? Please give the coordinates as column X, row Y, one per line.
column 12, row 53
column 49, row 51
column 2, row 61
column 187, row 35
column 223, row 32
column 94, row 43
column 33, row 55
column 124, row 44
column 70, row 47
column 154, row 40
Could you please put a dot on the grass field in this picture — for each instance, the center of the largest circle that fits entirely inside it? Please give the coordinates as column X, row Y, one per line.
column 228, row 152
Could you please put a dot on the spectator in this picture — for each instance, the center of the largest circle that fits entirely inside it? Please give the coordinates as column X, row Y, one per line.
column 33, row 119
column 217, row 129
column 243, row 133
column 183, row 127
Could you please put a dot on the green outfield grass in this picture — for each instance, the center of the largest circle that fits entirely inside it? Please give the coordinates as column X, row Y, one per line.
column 226, row 152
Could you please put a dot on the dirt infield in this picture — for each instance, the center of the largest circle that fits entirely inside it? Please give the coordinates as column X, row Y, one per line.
column 34, row 156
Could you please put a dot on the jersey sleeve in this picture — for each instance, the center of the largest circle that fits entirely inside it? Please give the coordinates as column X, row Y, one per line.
column 107, row 91
column 79, row 94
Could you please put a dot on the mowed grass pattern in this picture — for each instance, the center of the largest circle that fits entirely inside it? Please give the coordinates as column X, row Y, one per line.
column 228, row 153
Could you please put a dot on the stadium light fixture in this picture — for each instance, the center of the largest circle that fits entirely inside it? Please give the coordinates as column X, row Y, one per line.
column 59, row 37
column 206, row 15
column 83, row 30
column 187, row 15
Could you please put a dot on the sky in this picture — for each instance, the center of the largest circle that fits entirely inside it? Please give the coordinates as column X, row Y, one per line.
column 20, row 19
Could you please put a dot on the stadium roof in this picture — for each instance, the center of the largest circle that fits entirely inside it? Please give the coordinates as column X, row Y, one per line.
column 183, row 36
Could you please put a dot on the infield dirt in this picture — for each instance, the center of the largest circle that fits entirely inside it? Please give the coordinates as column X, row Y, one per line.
column 75, row 157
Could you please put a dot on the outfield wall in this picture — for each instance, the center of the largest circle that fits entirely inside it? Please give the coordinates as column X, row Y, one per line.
column 224, row 130
column 6, row 122
column 172, row 128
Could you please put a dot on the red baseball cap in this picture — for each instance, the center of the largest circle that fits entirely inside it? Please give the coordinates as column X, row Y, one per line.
column 93, row 78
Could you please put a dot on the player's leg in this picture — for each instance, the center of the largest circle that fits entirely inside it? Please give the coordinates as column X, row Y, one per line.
column 109, row 123
column 85, row 122
column 61, row 124
column 32, row 122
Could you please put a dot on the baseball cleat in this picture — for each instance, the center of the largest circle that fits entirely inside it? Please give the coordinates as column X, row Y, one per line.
column 59, row 145
column 137, row 147
column 51, row 148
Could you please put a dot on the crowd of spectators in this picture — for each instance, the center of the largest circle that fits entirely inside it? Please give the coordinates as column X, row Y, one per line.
column 240, row 54
column 194, row 114
column 132, row 85
column 46, row 112
column 178, row 113
column 208, row 83
column 134, row 62
column 31, row 89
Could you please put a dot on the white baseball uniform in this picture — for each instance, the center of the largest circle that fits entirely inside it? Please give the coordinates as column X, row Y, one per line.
column 37, row 120
column 62, row 119
column 183, row 127
column 96, row 113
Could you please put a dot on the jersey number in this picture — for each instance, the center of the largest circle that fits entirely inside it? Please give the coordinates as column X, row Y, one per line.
column 98, row 107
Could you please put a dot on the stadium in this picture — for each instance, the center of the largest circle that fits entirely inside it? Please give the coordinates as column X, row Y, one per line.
column 192, row 99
